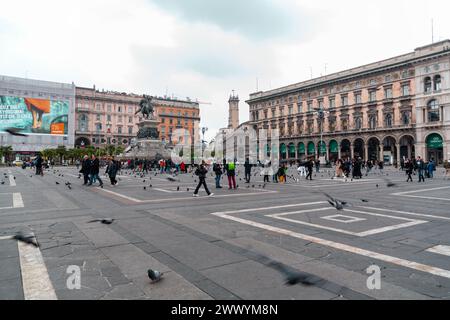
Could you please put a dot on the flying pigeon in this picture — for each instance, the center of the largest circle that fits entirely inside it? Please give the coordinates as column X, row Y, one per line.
column 15, row 132
column 28, row 239
column 389, row 183
column 154, row 275
column 103, row 221
column 292, row 277
column 178, row 188
column 338, row 204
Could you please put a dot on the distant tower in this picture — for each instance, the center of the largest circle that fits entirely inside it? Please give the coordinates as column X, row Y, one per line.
column 233, row 119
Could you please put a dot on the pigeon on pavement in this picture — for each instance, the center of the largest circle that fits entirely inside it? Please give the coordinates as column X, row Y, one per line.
column 154, row 275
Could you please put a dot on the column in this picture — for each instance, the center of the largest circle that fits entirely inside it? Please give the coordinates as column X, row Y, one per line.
column 339, row 150
column 381, row 157
column 398, row 153
column 352, row 150
column 409, row 151
column 366, row 152
column 328, row 152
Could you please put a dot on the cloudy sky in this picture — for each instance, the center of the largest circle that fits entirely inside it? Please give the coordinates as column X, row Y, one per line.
column 204, row 49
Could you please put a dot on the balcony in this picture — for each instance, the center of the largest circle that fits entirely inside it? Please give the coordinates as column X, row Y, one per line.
column 83, row 109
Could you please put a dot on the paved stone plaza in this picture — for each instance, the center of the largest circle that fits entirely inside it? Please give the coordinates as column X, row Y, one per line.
column 208, row 247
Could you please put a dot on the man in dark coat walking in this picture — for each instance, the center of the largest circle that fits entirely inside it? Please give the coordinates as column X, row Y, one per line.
column 86, row 169
column 248, row 170
column 112, row 169
column 95, row 169
column 309, row 167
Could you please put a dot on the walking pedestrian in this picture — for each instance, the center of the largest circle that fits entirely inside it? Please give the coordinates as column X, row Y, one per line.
column 231, row 174
column 301, row 169
column 85, row 169
column 111, row 171
column 201, row 173
column 309, row 167
column 431, row 168
column 95, row 169
column 409, row 170
column 420, row 166
column 217, row 168
column 39, row 165
column 248, row 170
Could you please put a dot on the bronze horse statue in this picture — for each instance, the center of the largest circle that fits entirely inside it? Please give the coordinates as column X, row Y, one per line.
column 146, row 107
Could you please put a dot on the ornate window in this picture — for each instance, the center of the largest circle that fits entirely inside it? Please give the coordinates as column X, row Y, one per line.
column 83, row 124
column 427, row 85
column 358, row 123
column 433, row 111
column 372, row 122
column 388, row 120
column 345, row 124
column 405, row 118
column 437, row 83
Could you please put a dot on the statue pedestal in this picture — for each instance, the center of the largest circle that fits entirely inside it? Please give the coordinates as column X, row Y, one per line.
column 148, row 145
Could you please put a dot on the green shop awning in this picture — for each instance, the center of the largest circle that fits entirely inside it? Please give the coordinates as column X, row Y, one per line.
column 334, row 146
column 311, row 148
column 323, row 147
column 283, row 148
column 301, row 148
column 434, row 141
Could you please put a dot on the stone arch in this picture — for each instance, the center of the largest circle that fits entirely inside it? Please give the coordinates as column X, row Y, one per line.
column 345, row 148
column 373, row 144
column 389, row 148
column 434, row 144
column 358, row 148
column 407, row 146
column 291, row 151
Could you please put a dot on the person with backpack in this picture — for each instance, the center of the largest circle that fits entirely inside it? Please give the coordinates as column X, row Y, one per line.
column 201, row 173
column 231, row 173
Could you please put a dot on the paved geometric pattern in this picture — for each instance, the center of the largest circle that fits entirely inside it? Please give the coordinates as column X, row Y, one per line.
column 208, row 247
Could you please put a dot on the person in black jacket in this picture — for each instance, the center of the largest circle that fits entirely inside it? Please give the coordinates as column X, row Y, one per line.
column 201, row 173
column 111, row 171
column 409, row 170
column 95, row 169
column 218, row 171
column 248, row 170
column 39, row 165
column 309, row 167
column 86, row 169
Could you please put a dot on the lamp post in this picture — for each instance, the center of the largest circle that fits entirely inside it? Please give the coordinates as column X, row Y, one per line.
column 204, row 129
column 321, row 117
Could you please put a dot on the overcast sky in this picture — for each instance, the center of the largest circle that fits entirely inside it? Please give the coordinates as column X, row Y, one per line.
column 204, row 49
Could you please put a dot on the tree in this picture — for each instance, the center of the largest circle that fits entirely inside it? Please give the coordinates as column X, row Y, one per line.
column 61, row 152
column 6, row 152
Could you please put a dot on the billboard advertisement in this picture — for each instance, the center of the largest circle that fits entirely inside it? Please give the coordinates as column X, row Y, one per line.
column 34, row 116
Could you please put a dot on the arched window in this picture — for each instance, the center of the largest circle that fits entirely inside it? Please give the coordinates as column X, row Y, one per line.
column 372, row 122
column 433, row 111
column 427, row 85
column 437, row 83
column 358, row 123
column 388, row 120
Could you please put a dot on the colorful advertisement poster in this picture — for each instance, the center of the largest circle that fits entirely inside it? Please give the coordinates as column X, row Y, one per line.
column 34, row 116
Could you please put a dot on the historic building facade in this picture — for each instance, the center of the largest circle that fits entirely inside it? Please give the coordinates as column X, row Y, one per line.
column 109, row 118
column 388, row 110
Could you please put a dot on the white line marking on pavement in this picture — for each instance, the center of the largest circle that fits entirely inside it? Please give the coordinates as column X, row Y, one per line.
column 410, row 223
column 35, row 279
column 185, row 198
column 12, row 181
column 408, row 213
column 166, row 191
column 340, row 246
column 17, row 200
column 444, row 250
column 416, row 191
column 5, row 238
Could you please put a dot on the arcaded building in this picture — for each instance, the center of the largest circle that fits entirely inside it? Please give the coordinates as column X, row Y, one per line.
column 388, row 110
column 109, row 118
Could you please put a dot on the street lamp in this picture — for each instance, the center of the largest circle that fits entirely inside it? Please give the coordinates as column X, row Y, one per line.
column 204, row 129
column 321, row 117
